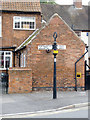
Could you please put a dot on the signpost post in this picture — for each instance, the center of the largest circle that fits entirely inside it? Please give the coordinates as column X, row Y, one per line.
column 55, row 52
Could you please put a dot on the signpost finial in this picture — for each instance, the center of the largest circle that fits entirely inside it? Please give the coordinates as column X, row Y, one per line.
column 55, row 35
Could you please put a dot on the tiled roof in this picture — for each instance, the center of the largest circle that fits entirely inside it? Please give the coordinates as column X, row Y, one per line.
column 20, row 5
column 72, row 16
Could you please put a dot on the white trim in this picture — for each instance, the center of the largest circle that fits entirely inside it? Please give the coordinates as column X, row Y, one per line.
column 22, row 29
column 1, row 25
column 25, row 21
column 23, row 60
column 3, row 68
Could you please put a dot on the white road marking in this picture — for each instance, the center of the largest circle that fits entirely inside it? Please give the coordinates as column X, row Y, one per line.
column 45, row 113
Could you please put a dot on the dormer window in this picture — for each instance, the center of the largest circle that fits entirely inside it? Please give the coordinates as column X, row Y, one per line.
column 24, row 23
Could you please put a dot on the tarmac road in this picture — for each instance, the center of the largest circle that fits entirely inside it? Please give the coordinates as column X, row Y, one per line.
column 77, row 112
column 70, row 113
column 38, row 101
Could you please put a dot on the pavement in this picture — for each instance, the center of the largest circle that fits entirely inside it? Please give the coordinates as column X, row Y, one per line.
column 41, row 101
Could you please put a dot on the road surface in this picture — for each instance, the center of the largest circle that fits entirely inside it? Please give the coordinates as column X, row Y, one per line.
column 68, row 113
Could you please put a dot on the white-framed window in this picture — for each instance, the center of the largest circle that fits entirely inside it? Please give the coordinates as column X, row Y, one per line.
column 23, row 60
column 0, row 26
column 5, row 59
column 24, row 23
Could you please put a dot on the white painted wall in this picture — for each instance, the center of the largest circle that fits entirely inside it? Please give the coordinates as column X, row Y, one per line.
column 84, row 37
column 70, row 2
column 0, row 26
column 89, row 44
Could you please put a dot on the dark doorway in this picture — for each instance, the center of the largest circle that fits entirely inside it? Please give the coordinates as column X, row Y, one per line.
column 87, row 77
column 4, row 82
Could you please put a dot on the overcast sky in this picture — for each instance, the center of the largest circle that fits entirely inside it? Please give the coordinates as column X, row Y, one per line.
column 68, row 2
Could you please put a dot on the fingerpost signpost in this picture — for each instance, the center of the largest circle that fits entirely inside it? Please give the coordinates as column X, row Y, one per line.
column 55, row 52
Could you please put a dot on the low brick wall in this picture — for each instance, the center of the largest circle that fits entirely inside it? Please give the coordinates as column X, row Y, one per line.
column 20, row 80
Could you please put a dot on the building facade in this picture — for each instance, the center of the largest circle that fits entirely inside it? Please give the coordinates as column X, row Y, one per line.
column 18, row 20
column 41, row 61
column 32, row 69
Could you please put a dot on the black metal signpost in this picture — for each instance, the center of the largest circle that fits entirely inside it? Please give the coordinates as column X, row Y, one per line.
column 54, row 78
column 55, row 52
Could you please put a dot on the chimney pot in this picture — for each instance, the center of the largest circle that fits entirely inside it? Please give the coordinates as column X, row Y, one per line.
column 78, row 3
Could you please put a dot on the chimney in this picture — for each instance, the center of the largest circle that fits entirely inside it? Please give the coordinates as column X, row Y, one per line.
column 78, row 4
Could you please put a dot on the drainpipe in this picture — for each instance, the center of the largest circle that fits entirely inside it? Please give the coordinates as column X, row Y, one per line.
column 76, row 67
column 85, row 73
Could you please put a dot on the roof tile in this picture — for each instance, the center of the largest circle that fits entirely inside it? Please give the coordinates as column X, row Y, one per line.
column 20, row 5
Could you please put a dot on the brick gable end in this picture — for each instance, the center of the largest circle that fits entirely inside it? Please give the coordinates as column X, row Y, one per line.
column 42, row 62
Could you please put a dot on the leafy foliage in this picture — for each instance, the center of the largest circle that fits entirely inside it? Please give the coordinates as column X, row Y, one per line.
column 47, row 1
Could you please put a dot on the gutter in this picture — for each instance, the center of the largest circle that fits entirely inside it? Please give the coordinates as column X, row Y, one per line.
column 81, row 30
column 22, row 12
column 76, row 67
column 7, row 48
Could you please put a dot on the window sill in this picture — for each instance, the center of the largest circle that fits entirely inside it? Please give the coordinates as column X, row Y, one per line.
column 23, row 29
column 3, row 69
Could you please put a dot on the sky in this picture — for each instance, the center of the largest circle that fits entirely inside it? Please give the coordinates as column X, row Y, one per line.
column 68, row 2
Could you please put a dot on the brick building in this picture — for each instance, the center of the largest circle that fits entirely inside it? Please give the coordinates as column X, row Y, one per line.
column 30, row 68
column 18, row 20
column 76, row 15
column 41, row 62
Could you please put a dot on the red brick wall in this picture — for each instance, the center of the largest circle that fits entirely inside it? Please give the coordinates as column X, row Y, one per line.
column 20, row 80
column 0, row 41
column 15, row 37
column 41, row 62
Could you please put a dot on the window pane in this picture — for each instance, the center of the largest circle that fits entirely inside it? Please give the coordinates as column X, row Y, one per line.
column 24, row 61
column 1, row 59
column 7, row 62
column 17, row 25
column 17, row 19
column 28, row 19
column 8, row 53
column 17, row 22
column 25, row 25
column 32, row 25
